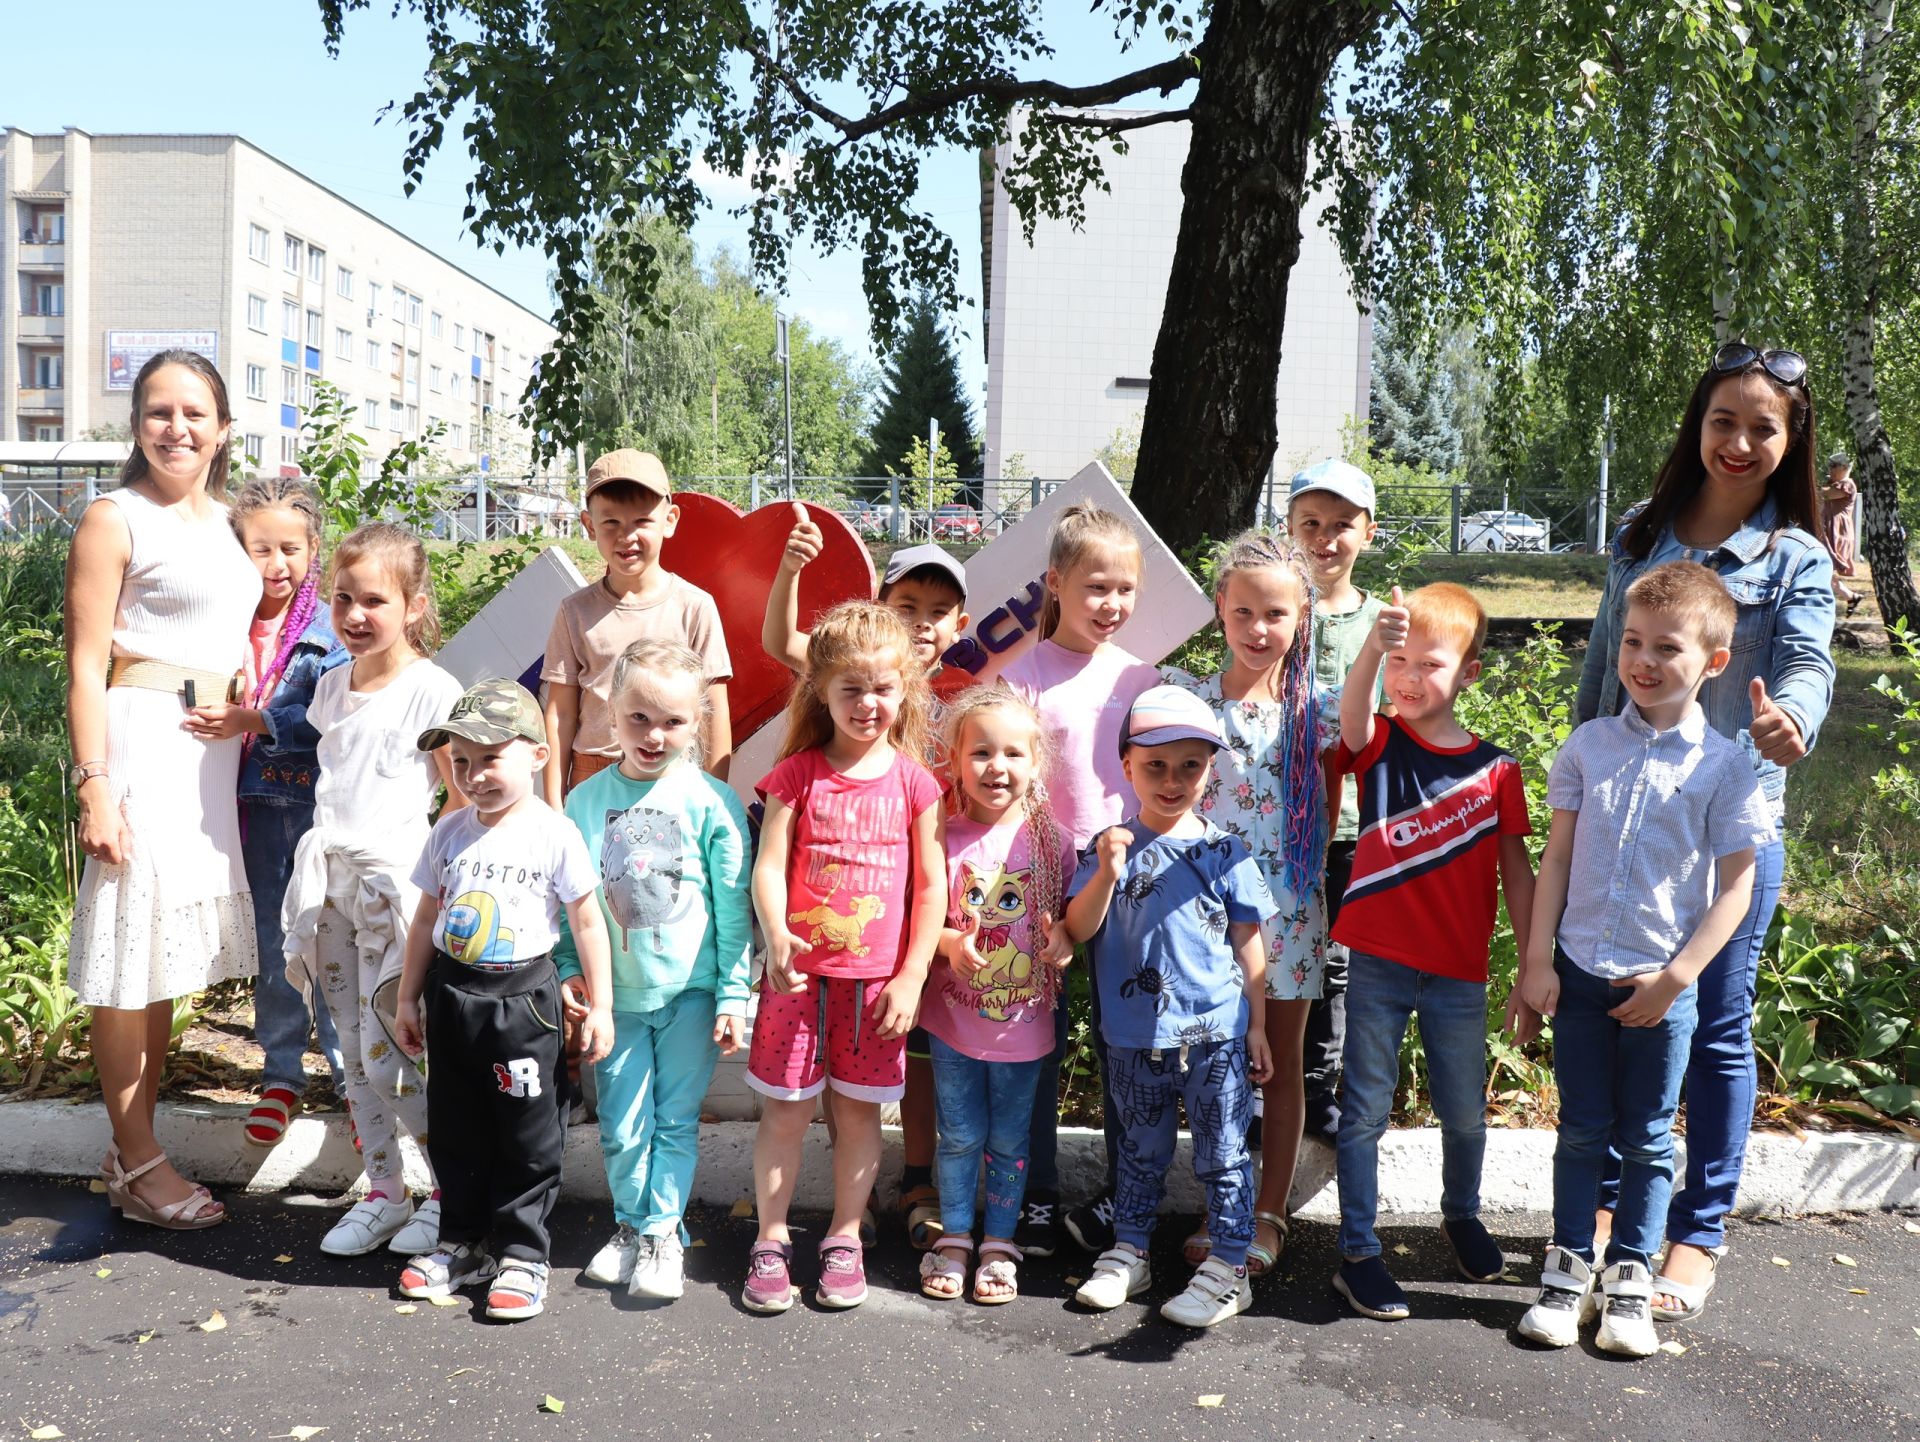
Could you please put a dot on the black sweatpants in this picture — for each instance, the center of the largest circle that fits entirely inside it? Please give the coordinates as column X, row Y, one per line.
column 1326, row 1037
column 496, row 1102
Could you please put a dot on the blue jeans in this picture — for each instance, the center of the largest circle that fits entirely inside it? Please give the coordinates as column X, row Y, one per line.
column 1043, row 1136
column 1721, row 1078
column 651, row 1085
column 1620, row 1083
column 281, row 1020
column 1145, row 1085
column 984, row 1108
column 1381, row 996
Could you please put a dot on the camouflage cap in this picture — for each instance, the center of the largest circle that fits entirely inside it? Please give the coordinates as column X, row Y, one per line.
column 491, row 711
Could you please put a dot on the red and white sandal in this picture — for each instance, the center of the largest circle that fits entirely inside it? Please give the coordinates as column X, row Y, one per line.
column 268, row 1120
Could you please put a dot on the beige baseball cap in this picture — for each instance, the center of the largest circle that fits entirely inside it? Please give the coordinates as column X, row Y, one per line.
column 643, row 468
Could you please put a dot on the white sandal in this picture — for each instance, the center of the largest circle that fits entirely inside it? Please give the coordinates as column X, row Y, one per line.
column 1692, row 1295
column 1002, row 1271
column 938, row 1268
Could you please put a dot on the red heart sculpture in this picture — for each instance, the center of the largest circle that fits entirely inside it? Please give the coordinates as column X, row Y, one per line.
column 734, row 557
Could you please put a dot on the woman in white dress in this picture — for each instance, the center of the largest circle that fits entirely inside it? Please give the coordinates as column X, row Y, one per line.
column 159, row 598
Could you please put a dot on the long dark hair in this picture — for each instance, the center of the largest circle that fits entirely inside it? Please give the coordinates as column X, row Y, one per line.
column 135, row 468
column 1794, row 486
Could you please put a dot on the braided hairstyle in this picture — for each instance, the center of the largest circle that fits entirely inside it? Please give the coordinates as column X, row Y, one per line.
column 282, row 493
column 1302, row 786
column 1044, row 845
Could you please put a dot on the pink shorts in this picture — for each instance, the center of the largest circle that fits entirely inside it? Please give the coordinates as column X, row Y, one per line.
column 799, row 1045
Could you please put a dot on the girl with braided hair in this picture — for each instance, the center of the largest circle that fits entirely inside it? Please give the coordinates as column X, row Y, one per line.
column 1268, row 788
column 289, row 647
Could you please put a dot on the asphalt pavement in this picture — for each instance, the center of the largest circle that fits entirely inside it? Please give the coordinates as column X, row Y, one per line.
column 102, row 1335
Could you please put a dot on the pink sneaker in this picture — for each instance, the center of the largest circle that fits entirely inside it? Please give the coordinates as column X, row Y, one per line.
column 843, row 1274
column 769, row 1281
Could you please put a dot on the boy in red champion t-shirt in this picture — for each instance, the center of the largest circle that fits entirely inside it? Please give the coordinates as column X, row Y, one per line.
column 1443, row 826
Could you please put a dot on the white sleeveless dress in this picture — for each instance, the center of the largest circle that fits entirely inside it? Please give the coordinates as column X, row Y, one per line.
column 176, row 916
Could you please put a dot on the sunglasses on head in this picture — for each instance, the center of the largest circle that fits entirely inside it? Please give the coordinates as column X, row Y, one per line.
column 1788, row 367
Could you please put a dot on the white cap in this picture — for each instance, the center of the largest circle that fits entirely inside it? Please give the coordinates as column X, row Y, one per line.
column 1338, row 478
column 1161, row 714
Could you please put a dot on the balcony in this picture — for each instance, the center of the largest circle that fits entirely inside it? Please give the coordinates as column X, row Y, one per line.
column 35, row 326
column 43, row 257
column 41, row 402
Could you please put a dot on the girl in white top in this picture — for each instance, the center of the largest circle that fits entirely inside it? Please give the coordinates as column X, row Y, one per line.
column 352, row 893
column 155, row 575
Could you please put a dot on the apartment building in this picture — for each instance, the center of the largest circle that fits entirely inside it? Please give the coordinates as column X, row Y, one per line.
column 1073, row 315
column 119, row 246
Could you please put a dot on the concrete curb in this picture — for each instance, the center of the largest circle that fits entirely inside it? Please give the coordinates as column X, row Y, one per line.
column 1785, row 1176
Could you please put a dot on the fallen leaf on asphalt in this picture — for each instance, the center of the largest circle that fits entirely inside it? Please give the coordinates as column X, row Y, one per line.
column 553, row 1404
column 1857, row 1291
column 1210, row 1399
column 44, row 1434
column 444, row 1301
column 406, row 1309
column 1913, row 1226
column 1916, row 1331
column 283, row 1257
column 460, row 1372
column 1075, row 1281
column 104, row 1273
column 1780, row 1261
column 696, row 1242
column 1636, row 1391
column 144, row 1337
column 742, row 1208
column 96, row 1186
column 216, row 1323
column 301, row 1434
column 1673, row 1349
column 1401, row 1249
column 1841, row 1259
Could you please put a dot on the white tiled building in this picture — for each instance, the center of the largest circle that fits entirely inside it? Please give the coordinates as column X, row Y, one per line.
column 120, row 245
column 1072, row 319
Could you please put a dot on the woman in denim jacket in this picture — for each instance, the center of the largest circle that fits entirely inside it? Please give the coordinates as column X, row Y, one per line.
column 1739, row 494
column 290, row 648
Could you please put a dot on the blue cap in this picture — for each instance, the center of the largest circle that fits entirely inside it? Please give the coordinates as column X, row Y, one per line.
column 1336, row 477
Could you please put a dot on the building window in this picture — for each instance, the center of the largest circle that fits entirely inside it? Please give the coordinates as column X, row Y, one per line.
column 459, row 337
column 394, row 360
column 307, row 383
column 455, row 436
column 289, row 386
column 254, row 448
column 315, row 329
column 289, row 450
column 257, row 313
column 290, row 319
column 413, row 310
column 258, row 241
column 373, row 353
column 343, row 344
column 316, row 265
column 343, row 282
column 433, row 379
column 413, row 419
column 256, row 383
column 373, row 300
column 396, row 415
column 370, row 413
column 50, row 298
column 399, row 303
column 49, row 433
column 292, row 254
column 434, row 325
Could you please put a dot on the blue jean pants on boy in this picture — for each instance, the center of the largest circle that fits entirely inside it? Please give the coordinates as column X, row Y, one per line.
column 651, row 1086
column 1381, row 996
column 1721, row 1080
column 1145, row 1085
column 281, row 1020
column 984, row 1109
column 1043, row 1137
column 1620, row 1084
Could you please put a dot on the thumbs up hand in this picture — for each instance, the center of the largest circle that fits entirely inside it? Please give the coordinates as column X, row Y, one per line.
column 1776, row 735
column 1391, row 626
column 804, row 541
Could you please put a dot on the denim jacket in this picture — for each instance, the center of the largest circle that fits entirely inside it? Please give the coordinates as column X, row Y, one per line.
column 1783, row 585
column 281, row 766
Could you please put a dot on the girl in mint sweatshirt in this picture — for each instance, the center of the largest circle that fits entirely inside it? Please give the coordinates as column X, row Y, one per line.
column 675, row 869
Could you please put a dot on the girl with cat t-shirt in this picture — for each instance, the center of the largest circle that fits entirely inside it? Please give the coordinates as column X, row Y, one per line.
column 671, row 845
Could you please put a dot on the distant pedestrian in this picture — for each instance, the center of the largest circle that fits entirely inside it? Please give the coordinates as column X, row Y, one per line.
column 1836, row 524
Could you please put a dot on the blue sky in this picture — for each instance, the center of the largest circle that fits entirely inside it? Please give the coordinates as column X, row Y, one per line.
column 258, row 68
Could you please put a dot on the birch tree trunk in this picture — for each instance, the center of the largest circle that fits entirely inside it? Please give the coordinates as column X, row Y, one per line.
column 1884, row 539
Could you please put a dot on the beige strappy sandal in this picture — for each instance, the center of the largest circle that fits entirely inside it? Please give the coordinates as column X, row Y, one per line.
column 193, row 1212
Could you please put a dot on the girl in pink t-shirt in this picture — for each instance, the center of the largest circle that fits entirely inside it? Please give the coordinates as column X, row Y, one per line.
column 851, row 888
column 989, row 1008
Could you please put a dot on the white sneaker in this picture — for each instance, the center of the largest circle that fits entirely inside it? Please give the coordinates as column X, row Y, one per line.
column 660, row 1271
column 1117, row 1275
column 1566, row 1301
column 1626, row 1319
column 422, row 1234
column 1216, row 1293
column 368, row 1226
column 613, row 1263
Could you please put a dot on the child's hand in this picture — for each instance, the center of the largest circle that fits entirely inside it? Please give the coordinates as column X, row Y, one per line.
column 1522, row 1020
column 804, row 541
column 596, row 1035
column 1056, row 943
column 575, row 1001
column 1652, row 993
column 782, row 948
column 1259, row 1057
column 897, row 1007
column 407, row 1028
column 220, row 721
column 964, row 953
column 1538, row 990
column 1391, row 625
column 1113, row 845
column 728, row 1032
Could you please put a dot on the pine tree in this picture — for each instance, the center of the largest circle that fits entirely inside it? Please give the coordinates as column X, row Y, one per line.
column 1412, row 414
column 922, row 382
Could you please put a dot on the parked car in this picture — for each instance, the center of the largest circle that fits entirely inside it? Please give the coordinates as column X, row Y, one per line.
column 867, row 519
column 1503, row 531
column 956, row 523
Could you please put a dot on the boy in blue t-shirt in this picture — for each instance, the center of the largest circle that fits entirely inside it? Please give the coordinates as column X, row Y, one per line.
column 1171, row 908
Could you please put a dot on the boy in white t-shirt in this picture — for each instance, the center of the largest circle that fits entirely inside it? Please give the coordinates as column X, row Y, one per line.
column 494, row 878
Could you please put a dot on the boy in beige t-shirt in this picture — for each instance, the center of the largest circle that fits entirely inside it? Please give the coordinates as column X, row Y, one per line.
column 629, row 514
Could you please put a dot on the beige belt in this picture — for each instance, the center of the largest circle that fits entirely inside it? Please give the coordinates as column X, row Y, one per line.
column 208, row 686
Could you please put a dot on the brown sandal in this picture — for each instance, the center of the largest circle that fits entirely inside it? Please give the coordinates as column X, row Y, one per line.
column 1260, row 1261
column 920, row 1209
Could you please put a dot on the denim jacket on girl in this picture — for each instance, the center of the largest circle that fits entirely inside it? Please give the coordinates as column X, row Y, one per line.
column 281, row 766
column 1783, row 585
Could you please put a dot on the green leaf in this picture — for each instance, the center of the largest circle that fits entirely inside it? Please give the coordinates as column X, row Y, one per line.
column 1898, row 1101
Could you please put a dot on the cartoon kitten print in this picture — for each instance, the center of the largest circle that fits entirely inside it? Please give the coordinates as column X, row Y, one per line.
column 642, row 868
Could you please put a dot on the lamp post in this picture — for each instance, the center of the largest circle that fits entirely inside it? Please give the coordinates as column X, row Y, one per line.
column 785, row 356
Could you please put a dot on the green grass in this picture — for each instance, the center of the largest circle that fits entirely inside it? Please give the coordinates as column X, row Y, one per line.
column 1548, row 588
